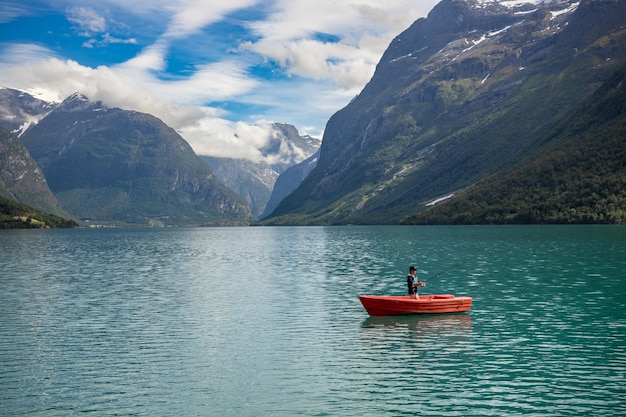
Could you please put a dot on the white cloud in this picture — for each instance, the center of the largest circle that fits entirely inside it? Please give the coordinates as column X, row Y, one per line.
column 296, row 36
column 151, row 58
column 208, row 83
column 107, row 39
column 192, row 15
column 11, row 11
column 87, row 20
column 175, row 102
column 222, row 138
column 18, row 53
column 328, row 48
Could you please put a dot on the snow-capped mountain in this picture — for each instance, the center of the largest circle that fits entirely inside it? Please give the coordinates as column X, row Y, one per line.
column 19, row 110
column 254, row 181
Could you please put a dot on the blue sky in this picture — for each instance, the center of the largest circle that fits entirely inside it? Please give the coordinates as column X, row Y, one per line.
column 217, row 71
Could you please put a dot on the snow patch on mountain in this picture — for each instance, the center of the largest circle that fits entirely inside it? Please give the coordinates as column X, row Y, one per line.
column 569, row 9
column 517, row 4
column 20, row 109
column 439, row 200
column 511, row 4
column 460, row 48
column 42, row 95
column 24, row 126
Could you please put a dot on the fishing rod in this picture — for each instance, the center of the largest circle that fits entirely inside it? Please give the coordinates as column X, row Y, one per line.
column 441, row 273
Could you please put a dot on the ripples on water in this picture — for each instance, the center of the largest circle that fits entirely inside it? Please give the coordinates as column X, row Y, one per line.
column 266, row 322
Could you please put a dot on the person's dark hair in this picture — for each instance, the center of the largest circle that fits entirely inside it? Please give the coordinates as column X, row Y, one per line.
column 412, row 268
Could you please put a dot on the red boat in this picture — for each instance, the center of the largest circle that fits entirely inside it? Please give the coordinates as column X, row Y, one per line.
column 398, row 305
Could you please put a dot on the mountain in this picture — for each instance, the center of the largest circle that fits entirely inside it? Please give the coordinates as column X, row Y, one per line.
column 464, row 93
column 19, row 110
column 254, row 181
column 579, row 176
column 109, row 165
column 288, row 181
column 21, row 180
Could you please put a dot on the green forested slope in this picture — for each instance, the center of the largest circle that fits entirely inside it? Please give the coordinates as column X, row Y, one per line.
column 578, row 175
column 14, row 215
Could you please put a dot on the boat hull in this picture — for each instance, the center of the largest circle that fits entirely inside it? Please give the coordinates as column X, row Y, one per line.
column 399, row 305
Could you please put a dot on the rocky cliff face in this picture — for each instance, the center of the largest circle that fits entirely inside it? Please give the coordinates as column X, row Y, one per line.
column 21, row 179
column 288, row 181
column 461, row 94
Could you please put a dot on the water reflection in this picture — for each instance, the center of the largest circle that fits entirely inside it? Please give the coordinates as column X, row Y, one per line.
column 427, row 330
column 438, row 323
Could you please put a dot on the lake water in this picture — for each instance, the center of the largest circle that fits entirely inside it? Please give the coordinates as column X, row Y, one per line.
column 266, row 322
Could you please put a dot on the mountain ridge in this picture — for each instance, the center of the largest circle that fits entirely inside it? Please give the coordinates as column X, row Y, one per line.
column 431, row 124
column 119, row 166
column 252, row 181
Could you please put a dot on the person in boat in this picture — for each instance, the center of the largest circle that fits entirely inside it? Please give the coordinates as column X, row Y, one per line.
column 413, row 282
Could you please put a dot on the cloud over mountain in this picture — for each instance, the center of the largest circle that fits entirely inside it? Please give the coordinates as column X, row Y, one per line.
column 212, row 72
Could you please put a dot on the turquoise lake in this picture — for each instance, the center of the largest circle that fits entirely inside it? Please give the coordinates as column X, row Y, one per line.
column 266, row 321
